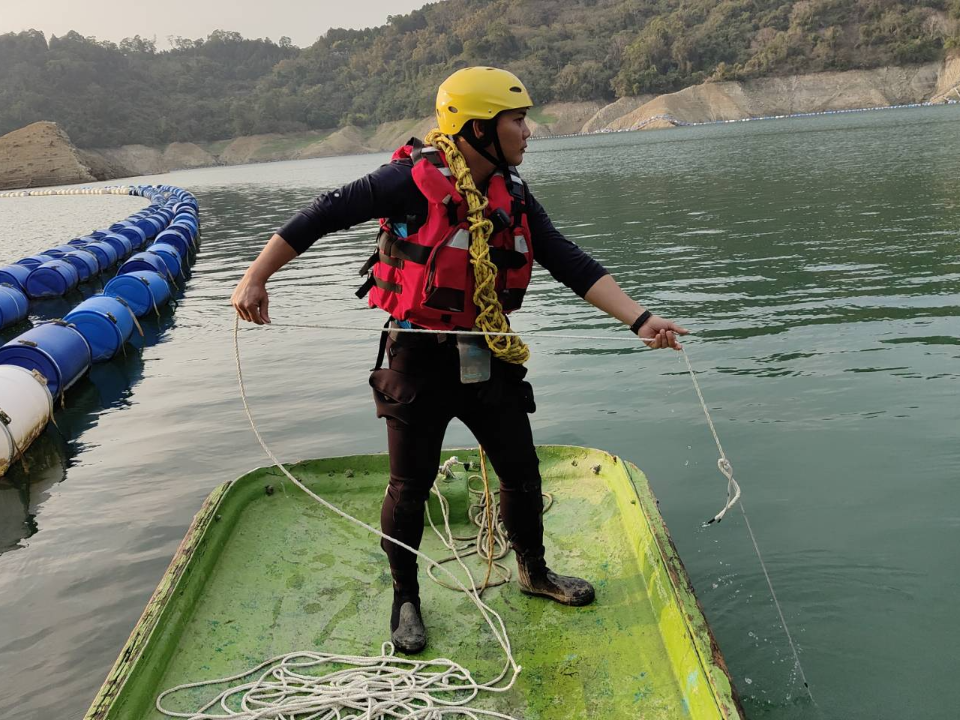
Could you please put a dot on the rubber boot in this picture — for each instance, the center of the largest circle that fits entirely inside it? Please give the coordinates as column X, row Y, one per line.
column 535, row 578
column 407, row 632
column 526, row 537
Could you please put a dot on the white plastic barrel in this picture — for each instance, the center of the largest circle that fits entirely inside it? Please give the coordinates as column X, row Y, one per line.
column 26, row 407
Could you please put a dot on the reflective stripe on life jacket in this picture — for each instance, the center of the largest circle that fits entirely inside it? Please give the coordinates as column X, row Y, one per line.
column 425, row 275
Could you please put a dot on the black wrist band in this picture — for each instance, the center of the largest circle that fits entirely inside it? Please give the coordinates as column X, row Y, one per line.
column 638, row 323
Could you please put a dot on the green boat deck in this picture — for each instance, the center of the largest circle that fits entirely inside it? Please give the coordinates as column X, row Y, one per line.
column 262, row 574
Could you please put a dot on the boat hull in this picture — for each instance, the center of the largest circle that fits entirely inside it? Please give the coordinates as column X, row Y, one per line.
column 264, row 570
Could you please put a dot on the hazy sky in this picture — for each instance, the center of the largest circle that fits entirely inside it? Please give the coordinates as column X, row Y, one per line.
column 302, row 21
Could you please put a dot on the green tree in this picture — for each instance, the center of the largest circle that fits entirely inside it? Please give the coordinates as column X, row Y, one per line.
column 223, row 85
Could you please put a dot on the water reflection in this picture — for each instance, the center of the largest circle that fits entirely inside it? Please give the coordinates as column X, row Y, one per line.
column 106, row 386
column 27, row 485
column 818, row 264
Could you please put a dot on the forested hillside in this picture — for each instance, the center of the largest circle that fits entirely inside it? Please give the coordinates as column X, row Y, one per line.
column 105, row 94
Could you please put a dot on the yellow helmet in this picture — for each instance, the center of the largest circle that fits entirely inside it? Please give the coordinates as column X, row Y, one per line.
column 478, row 93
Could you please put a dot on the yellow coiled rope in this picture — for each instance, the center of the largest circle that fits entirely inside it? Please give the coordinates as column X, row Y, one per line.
column 490, row 316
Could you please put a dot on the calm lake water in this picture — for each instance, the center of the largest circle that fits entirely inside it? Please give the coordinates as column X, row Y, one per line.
column 817, row 262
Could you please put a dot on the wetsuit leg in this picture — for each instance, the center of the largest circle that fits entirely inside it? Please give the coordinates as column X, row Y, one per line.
column 503, row 430
column 414, row 458
column 414, row 398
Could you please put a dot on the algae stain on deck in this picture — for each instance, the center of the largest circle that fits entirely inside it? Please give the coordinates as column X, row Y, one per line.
column 281, row 577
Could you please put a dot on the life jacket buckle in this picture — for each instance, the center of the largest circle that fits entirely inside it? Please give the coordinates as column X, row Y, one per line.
column 500, row 219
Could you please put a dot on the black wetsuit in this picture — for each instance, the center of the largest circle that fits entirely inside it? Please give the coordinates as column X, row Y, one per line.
column 420, row 392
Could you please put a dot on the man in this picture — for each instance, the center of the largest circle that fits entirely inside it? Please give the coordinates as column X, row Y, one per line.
column 459, row 233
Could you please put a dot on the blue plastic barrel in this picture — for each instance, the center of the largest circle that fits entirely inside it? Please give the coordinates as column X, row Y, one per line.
column 54, row 349
column 105, row 323
column 179, row 238
column 182, row 209
column 171, row 256
column 84, row 262
column 121, row 243
column 15, row 275
column 185, row 225
column 186, row 216
column 188, row 225
column 35, row 260
column 157, row 221
column 52, row 279
column 149, row 229
column 97, row 234
column 105, row 252
column 13, row 305
column 188, row 204
column 143, row 291
column 59, row 251
column 144, row 261
column 81, row 241
column 135, row 235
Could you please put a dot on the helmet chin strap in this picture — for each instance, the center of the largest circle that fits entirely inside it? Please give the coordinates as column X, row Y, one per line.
column 502, row 165
column 499, row 162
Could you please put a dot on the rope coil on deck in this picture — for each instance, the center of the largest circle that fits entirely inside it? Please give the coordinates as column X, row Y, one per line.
column 490, row 542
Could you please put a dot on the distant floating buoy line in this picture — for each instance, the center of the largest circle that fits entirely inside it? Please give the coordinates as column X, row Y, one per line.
column 678, row 122
column 150, row 251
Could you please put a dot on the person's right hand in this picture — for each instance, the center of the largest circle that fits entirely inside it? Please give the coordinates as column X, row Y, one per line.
column 250, row 300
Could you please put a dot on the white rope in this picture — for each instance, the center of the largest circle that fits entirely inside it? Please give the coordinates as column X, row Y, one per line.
column 733, row 495
column 726, row 469
column 318, row 686
column 387, row 686
column 354, row 686
column 783, row 621
column 486, row 520
column 543, row 332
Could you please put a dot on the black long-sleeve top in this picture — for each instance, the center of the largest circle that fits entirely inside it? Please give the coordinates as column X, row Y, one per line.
column 390, row 191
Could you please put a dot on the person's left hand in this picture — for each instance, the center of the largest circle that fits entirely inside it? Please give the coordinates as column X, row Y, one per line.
column 658, row 332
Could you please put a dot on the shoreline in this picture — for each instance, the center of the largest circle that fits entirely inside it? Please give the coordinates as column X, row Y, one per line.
column 44, row 145
column 84, row 188
column 680, row 123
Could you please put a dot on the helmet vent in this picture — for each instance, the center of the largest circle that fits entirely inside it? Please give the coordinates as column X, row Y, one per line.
column 515, row 89
column 452, row 109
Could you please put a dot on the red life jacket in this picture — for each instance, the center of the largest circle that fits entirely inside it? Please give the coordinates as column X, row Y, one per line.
column 426, row 276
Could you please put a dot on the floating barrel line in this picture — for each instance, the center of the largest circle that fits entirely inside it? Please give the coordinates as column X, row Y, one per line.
column 154, row 247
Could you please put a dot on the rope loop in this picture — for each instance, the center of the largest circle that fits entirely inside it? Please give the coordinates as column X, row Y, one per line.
column 725, row 467
column 490, row 542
